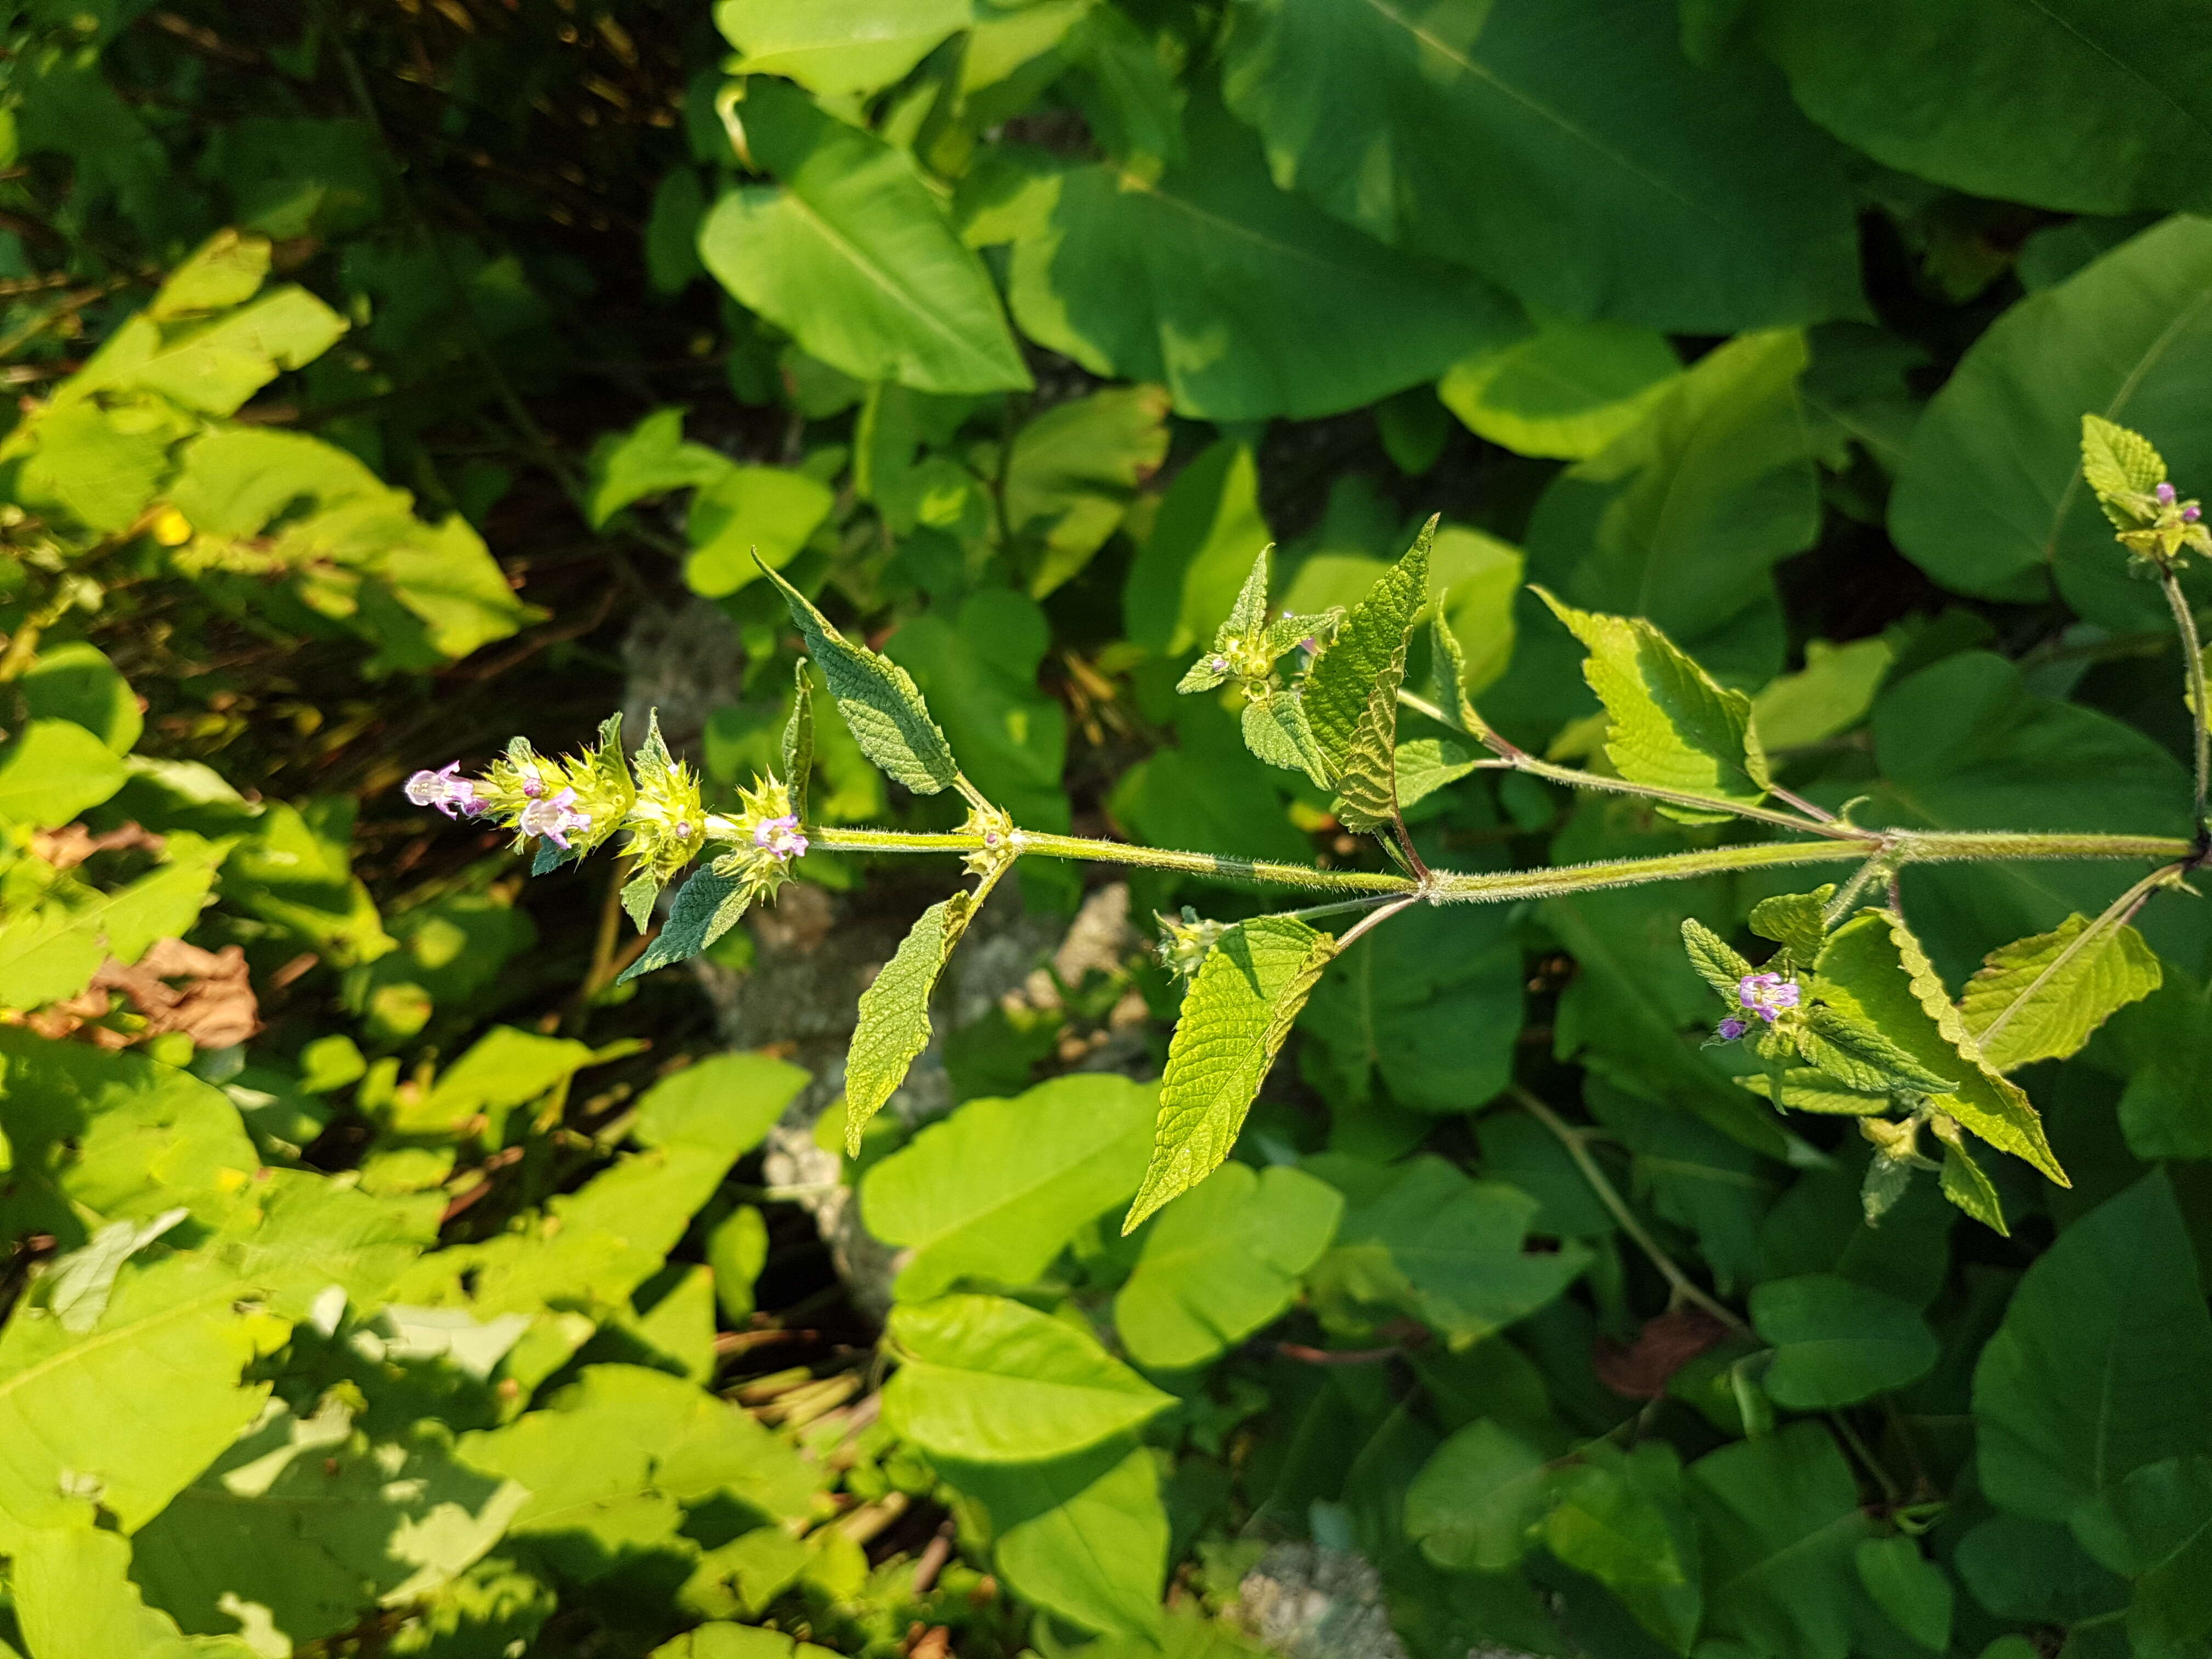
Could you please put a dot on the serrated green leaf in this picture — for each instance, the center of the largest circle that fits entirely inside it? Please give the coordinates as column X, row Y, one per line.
column 1849, row 1049
column 1448, row 677
column 1805, row 1090
column 1276, row 730
column 707, row 905
column 1668, row 722
column 894, row 1024
column 1836, row 1342
column 2119, row 465
column 2104, row 1362
column 1085, row 1536
column 639, row 895
column 1795, row 921
column 995, row 1191
column 990, row 1381
column 1718, row 962
column 798, row 748
column 1473, row 1504
column 1250, row 608
column 1873, row 968
column 879, row 701
column 1428, row 764
column 2043, row 998
column 1221, row 1261
column 1239, row 1008
column 1964, row 1183
column 1369, row 649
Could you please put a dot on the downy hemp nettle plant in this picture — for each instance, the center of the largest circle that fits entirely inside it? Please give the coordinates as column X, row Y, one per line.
column 1845, row 1015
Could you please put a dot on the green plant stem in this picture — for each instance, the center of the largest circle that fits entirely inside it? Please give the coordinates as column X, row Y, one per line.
column 2192, row 668
column 1894, row 847
column 1685, row 1289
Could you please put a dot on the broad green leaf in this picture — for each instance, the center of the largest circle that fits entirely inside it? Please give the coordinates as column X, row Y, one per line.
column 2168, row 1038
column 651, row 459
column 187, row 1319
column 724, row 1104
column 51, row 953
column 883, row 711
column 1237, row 1011
column 748, row 517
column 1872, row 969
column 80, row 1281
column 311, row 1520
column 1368, row 652
column 1781, row 1524
column 894, row 1024
column 706, row 906
column 1276, row 730
column 994, row 1192
column 1911, row 1589
column 851, row 254
column 1668, row 722
column 2043, row 998
column 835, row 47
column 96, row 466
column 1624, row 1521
column 978, row 668
column 1990, row 500
column 720, row 1640
column 1072, row 473
column 1826, row 697
column 1565, row 392
column 2117, row 464
column 1474, row 577
column 502, row 1069
column 614, row 1460
column 73, row 1598
column 1564, row 148
column 1422, row 1238
column 2065, row 105
column 76, row 682
column 226, row 270
column 487, row 1610
column 1424, row 1010
column 297, row 872
column 1186, row 576
column 1138, row 279
column 212, row 364
column 2104, row 1362
column 1476, row 1500
column 1221, row 1261
column 52, row 771
column 2036, row 1571
column 115, row 1135
column 2156, row 1527
column 988, row 1380
column 1836, row 1342
column 1085, row 1536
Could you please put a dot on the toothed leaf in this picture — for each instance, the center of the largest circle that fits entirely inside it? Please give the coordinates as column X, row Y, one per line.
column 2032, row 1000
column 1370, row 644
column 894, row 1024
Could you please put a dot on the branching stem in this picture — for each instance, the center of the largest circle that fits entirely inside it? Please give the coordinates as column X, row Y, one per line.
column 1685, row 1288
column 2193, row 668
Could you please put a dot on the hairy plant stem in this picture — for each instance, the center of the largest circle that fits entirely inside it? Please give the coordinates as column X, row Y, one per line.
column 2192, row 668
column 1892, row 848
column 1685, row 1288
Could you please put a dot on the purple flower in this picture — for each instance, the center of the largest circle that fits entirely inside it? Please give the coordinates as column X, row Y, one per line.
column 446, row 792
column 554, row 818
column 780, row 837
column 533, row 785
column 1766, row 994
column 2165, row 494
column 1731, row 1029
column 2191, row 514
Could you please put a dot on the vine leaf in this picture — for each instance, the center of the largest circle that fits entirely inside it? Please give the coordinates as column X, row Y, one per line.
column 2119, row 463
column 880, row 702
column 799, row 740
column 2031, row 1001
column 707, row 907
column 1668, row 722
column 894, row 1024
column 1238, row 1012
column 1368, row 647
column 1874, row 969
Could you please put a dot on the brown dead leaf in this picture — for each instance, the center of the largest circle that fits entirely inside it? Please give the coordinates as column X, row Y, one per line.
column 177, row 987
column 72, row 844
column 1640, row 1370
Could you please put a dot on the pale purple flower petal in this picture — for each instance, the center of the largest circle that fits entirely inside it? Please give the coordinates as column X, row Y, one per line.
column 1731, row 1029
column 2165, row 492
column 1766, row 994
column 554, row 818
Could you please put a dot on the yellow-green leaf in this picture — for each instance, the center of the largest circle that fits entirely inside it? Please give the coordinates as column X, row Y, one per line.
column 2043, row 998
column 894, row 1024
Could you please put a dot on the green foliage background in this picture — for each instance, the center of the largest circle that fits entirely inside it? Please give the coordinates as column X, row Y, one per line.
column 396, row 377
